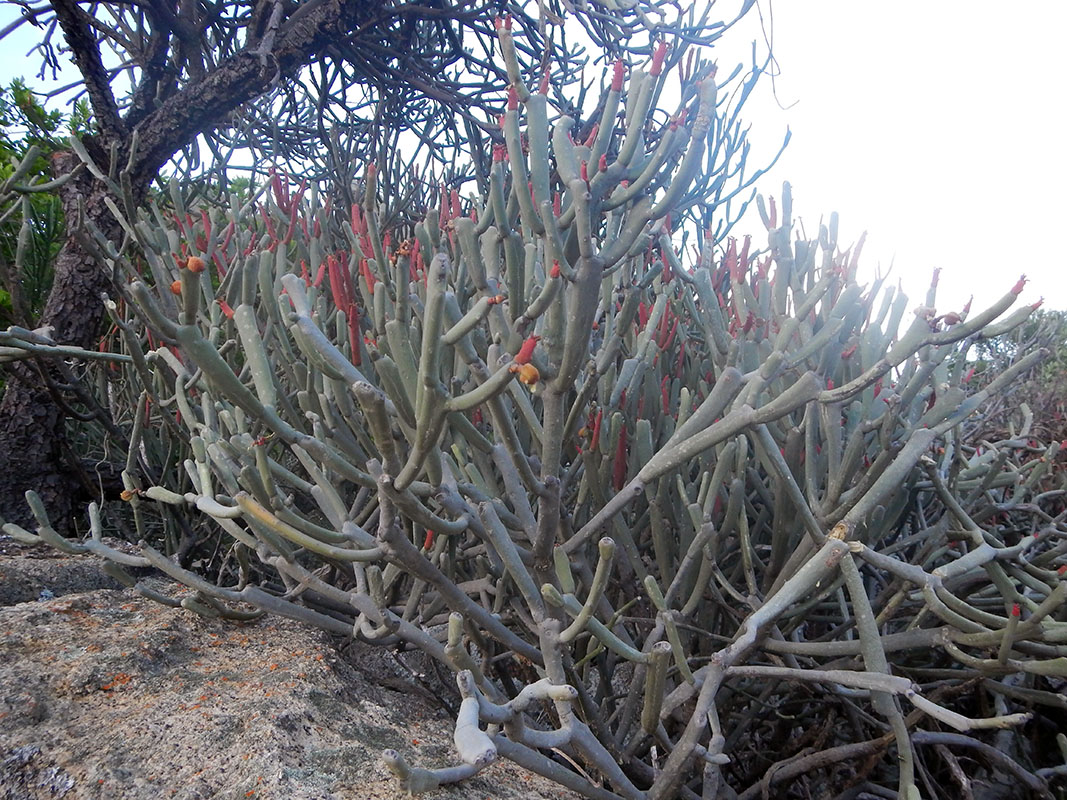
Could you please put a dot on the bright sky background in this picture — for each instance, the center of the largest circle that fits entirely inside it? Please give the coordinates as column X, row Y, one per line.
column 938, row 127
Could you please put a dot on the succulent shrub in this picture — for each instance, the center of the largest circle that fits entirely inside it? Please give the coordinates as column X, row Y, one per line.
column 1037, row 408
column 683, row 520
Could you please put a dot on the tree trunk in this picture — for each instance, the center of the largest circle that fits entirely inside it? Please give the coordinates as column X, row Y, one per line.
column 32, row 436
column 33, row 451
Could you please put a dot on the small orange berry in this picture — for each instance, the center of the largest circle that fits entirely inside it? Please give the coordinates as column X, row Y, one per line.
column 529, row 374
column 196, row 264
column 176, row 287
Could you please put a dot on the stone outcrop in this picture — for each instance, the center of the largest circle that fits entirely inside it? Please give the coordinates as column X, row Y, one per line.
column 104, row 694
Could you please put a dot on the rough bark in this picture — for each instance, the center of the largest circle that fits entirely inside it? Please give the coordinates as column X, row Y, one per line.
column 203, row 105
column 32, row 443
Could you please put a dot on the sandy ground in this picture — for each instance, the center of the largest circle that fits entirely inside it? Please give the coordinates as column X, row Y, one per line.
column 104, row 694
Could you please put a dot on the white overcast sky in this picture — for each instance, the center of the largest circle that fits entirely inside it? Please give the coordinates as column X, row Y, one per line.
column 935, row 125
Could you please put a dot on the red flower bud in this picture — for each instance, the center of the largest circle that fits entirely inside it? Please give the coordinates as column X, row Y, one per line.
column 657, row 59
column 618, row 75
column 526, row 351
column 596, row 429
column 592, row 135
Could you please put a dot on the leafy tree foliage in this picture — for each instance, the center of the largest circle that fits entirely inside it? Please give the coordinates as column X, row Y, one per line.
column 31, row 230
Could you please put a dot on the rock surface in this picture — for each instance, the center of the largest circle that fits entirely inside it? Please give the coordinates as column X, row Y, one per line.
column 104, row 694
column 31, row 573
